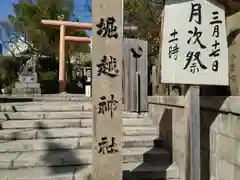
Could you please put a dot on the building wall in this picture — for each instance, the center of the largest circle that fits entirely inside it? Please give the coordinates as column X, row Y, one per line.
column 220, row 134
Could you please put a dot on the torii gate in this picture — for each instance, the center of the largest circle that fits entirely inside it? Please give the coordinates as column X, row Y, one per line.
column 73, row 26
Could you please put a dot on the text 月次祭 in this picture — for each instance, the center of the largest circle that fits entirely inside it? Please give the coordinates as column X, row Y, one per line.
column 194, row 44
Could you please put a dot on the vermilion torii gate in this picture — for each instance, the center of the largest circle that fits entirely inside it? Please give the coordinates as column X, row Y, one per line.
column 72, row 26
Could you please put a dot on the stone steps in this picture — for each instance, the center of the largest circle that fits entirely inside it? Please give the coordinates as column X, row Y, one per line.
column 131, row 171
column 13, row 134
column 53, row 140
column 67, row 123
column 43, row 107
column 58, row 115
column 45, row 98
column 72, row 143
column 76, row 157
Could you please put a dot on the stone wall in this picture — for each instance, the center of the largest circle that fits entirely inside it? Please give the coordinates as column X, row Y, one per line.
column 220, row 134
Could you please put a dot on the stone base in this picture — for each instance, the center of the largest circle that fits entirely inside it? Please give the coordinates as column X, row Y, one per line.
column 26, row 88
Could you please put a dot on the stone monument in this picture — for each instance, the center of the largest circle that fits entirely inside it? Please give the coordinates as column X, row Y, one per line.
column 107, row 38
column 28, row 79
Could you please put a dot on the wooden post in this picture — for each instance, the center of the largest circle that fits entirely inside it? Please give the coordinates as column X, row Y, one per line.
column 160, row 88
column 135, row 74
column 192, row 122
column 107, row 22
column 154, row 80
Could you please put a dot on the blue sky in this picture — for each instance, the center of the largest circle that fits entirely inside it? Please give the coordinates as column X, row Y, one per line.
column 84, row 16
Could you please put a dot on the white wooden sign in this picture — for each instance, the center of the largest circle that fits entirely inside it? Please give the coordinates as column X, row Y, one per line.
column 88, row 91
column 194, row 44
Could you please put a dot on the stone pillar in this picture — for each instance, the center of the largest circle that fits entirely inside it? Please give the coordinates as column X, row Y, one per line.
column 107, row 38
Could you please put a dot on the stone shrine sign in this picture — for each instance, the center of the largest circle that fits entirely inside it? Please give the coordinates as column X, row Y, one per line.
column 194, row 44
column 107, row 38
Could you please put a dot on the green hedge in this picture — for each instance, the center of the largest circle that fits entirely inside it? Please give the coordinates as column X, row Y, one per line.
column 50, row 75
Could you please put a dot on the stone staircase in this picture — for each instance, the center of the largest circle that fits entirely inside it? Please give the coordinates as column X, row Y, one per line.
column 53, row 140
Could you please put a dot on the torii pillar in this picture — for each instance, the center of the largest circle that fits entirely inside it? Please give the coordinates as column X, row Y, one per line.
column 72, row 26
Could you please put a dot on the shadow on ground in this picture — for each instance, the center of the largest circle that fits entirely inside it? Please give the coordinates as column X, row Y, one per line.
column 65, row 156
column 12, row 99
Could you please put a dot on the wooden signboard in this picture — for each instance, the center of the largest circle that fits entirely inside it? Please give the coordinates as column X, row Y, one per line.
column 135, row 75
column 194, row 44
column 107, row 21
column 194, row 51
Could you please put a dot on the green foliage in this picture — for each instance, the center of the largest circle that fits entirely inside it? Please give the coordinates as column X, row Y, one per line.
column 74, row 48
column 28, row 21
column 146, row 15
column 48, row 64
column 9, row 67
column 50, row 75
column 83, row 59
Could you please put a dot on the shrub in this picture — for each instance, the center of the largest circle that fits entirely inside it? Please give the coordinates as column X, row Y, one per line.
column 50, row 75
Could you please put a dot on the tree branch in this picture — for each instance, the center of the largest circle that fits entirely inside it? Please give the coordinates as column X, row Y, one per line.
column 6, row 47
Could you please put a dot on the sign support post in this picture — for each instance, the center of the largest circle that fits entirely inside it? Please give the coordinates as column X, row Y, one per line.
column 107, row 40
column 192, row 122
